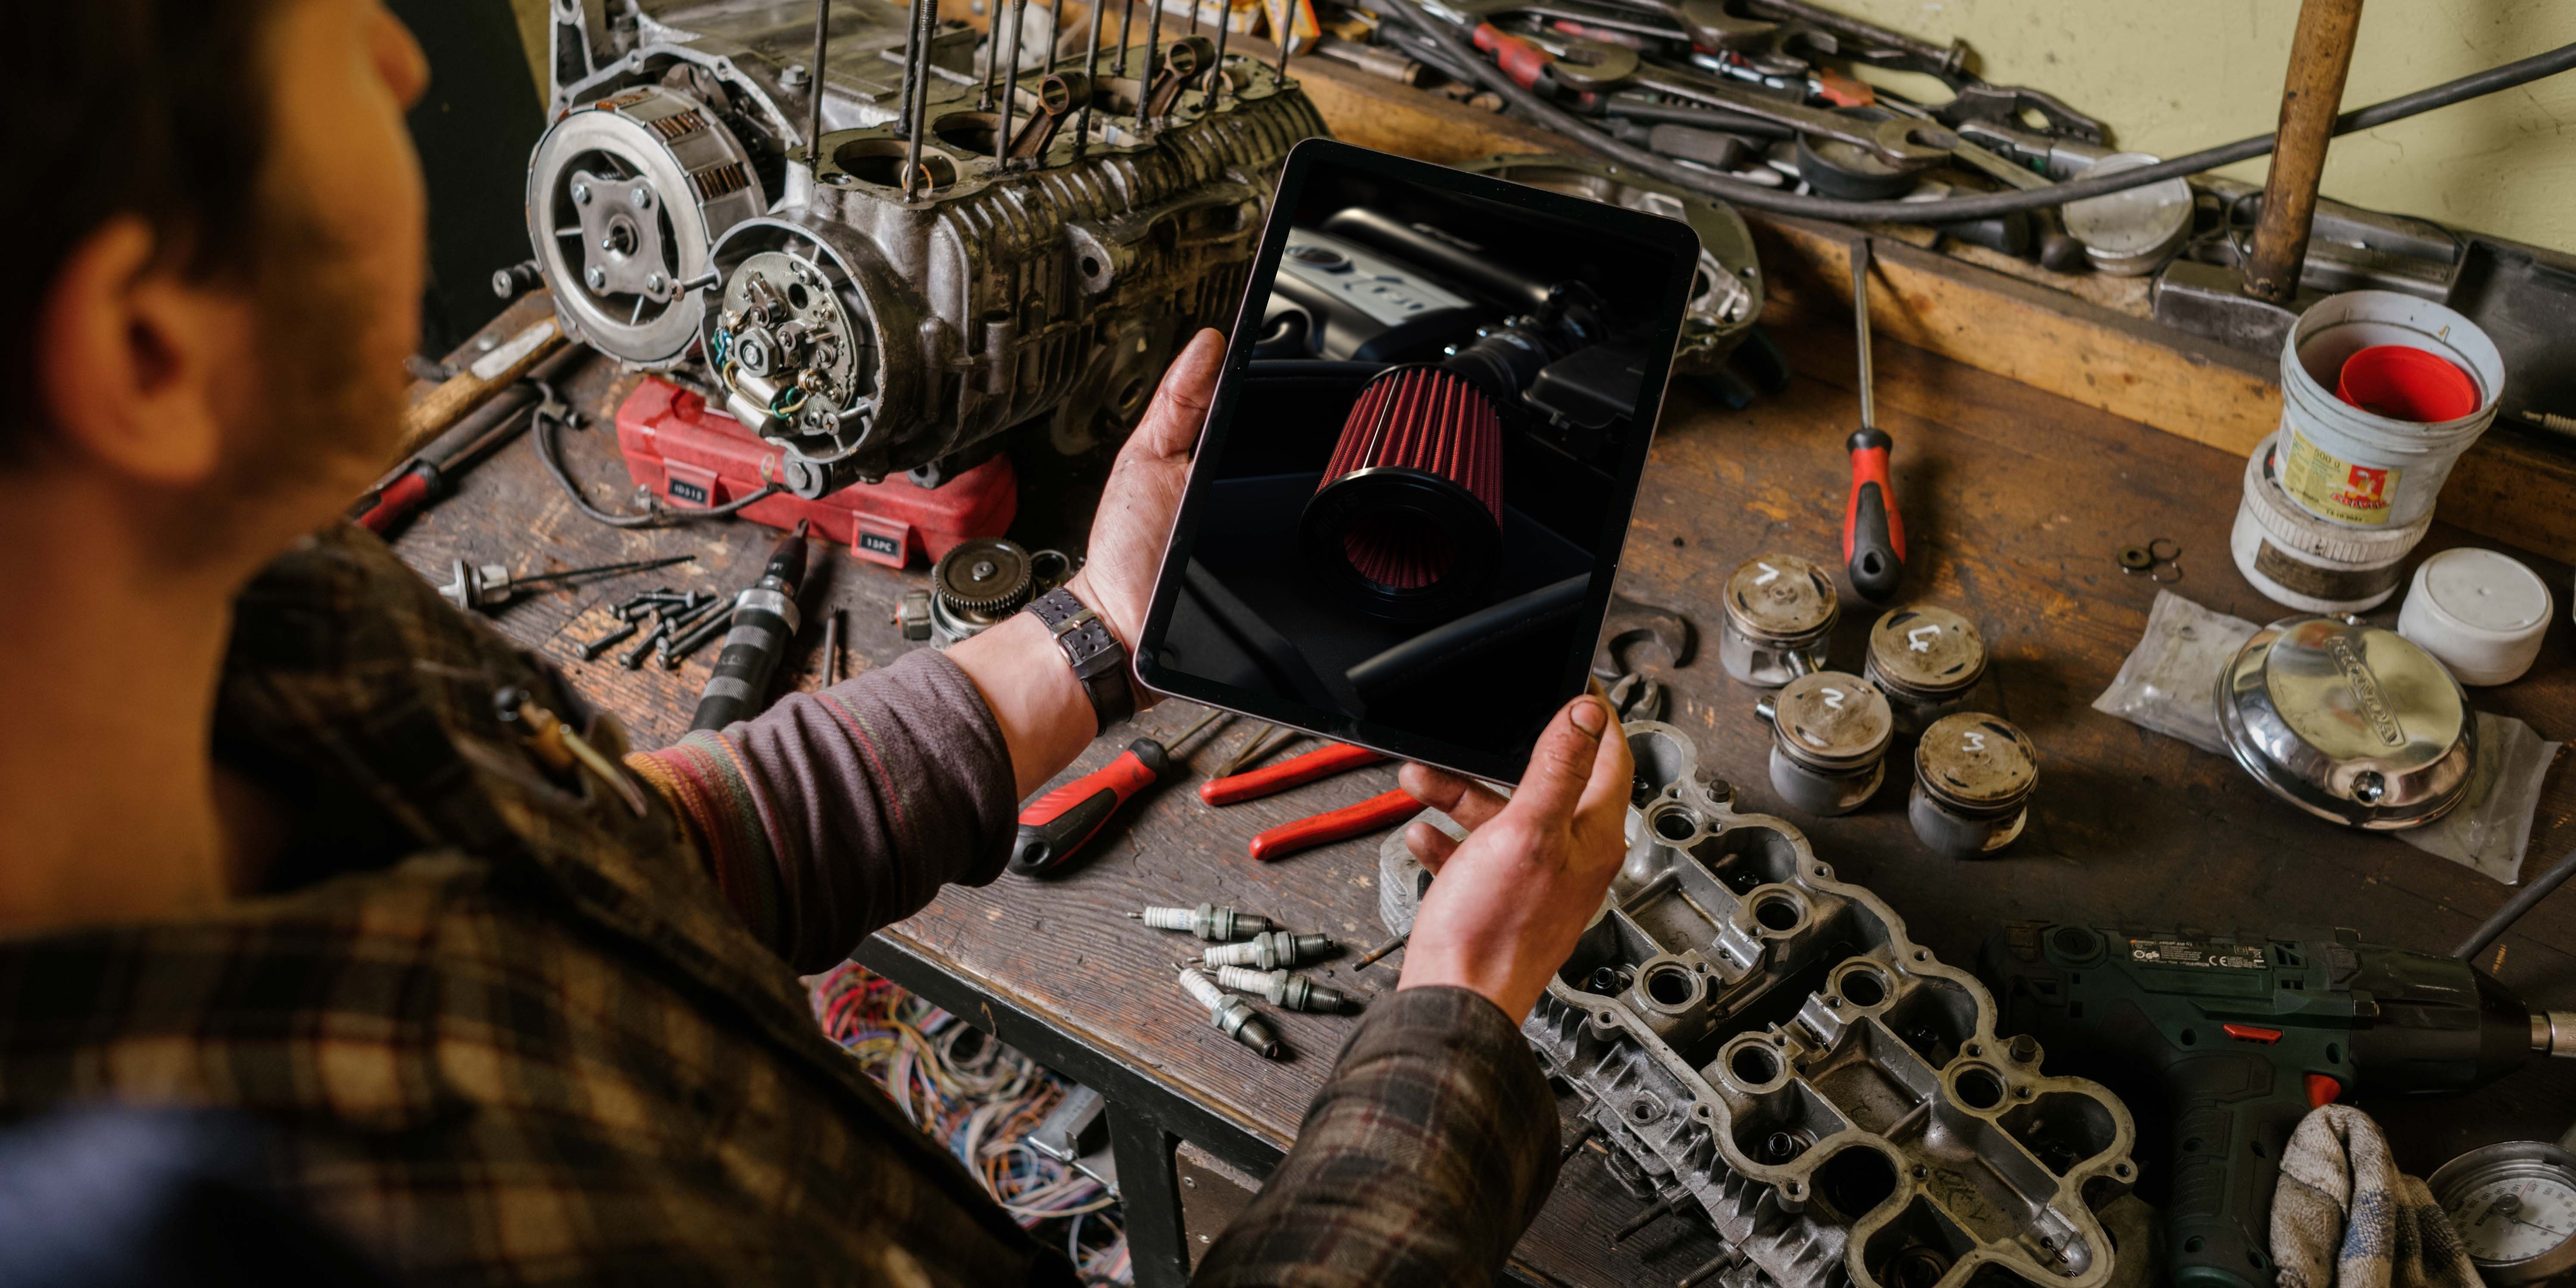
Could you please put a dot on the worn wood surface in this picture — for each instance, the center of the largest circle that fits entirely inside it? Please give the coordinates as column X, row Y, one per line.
column 2014, row 502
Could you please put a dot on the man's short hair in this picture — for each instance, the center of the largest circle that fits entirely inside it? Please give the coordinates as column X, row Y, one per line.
column 156, row 108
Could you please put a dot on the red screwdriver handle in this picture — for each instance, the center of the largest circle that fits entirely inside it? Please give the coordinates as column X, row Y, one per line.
column 398, row 500
column 1295, row 771
column 1522, row 61
column 1873, row 535
column 1055, row 825
column 1375, row 814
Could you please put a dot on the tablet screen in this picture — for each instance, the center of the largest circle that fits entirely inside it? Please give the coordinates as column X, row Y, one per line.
column 1406, row 512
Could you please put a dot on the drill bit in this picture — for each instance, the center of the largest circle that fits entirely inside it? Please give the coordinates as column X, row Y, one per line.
column 1232, row 1016
column 1270, row 952
column 1296, row 992
column 1207, row 921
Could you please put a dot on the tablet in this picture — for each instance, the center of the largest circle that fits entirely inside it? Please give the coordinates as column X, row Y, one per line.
column 1406, row 512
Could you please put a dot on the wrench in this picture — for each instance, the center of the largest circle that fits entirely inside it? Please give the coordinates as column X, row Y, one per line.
column 1598, row 67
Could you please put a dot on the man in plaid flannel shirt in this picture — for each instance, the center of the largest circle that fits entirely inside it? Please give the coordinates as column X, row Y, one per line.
column 276, row 848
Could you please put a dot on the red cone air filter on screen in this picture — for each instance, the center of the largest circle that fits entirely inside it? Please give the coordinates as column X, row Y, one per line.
column 1408, row 520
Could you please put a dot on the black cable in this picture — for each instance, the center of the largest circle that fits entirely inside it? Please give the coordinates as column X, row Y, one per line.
column 542, row 431
column 1953, row 209
column 2532, row 892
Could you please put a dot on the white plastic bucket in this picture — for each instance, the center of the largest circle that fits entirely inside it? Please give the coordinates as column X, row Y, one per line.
column 2357, row 468
column 2300, row 561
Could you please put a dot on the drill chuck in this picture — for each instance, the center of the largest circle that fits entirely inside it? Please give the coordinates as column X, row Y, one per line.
column 2554, row 1033
column 764, row 621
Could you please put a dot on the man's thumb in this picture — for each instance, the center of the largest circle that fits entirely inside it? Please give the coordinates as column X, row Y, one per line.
column 1562, row 762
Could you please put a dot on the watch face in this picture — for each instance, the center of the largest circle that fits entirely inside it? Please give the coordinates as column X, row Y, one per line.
column 1406, row 511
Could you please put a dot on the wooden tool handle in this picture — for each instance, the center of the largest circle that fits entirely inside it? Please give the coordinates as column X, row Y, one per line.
column 1295, row 771
column 1375, row 814
column 466, row 390
column 2320, row 54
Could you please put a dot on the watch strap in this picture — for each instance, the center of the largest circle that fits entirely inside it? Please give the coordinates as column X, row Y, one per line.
column 1099, row 661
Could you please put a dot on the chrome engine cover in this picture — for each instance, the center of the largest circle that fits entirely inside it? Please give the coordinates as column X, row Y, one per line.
column 1749, row 1032
column 674, row 215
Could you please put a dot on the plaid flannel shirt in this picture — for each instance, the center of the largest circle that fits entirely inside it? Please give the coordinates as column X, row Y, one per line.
column 505, row 1030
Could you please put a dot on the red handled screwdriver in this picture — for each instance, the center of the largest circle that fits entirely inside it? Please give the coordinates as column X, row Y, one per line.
column 1057, row 824
column 1873, row 535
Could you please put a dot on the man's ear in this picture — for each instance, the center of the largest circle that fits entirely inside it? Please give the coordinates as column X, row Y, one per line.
column 130, row 358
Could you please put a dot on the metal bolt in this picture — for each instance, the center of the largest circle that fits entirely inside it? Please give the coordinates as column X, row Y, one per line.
column 1232, row 1016
column 1207, row 921
column 581, row 194
column 1296, row 992
column 795, row 76
column 1271, row 951
column 642, row 196
column 653, row 283
column 597, row 277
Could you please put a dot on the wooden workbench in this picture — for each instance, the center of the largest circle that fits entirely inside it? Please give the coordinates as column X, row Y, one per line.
column 2014, row 502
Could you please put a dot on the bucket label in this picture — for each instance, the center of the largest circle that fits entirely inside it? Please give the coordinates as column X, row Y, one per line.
column 2337, row 489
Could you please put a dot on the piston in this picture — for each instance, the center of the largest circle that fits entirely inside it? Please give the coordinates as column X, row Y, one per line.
column 1829, row 736
column 1973, row 775
column 1779, row 610
column 1927, row 661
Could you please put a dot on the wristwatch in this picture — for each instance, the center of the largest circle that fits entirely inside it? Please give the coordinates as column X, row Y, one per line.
column 1099, row 661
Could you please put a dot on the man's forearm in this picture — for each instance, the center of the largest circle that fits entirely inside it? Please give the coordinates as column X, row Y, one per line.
column 1421, row 1161
column 835, row 813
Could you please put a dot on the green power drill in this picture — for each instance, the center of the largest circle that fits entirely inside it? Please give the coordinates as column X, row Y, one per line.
column 2243, row 1034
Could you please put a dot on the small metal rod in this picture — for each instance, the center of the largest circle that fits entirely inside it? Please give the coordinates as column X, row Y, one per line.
column 1010, row 85
column 1194, row 15
column 1218, row 81
column 1860, row 327
column 925, row 22
column 832, row 649
column 1280, row 30
column 913, row 58
column 1153, row 57
column 992, row 57
column 1090, row 77
column 1370, row 958
column 1581, row 1139
column 1662, row 1208
column 822, row 45
column 1126, row 32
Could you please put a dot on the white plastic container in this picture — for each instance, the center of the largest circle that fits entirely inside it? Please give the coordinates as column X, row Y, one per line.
column 2480, row 612
column 2356, row 468
column 2301, row 561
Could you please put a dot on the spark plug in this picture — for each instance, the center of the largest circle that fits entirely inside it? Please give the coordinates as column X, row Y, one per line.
column 1269, row 952
column 1296, row 992
column 1232, row 1016
column 1207, row 921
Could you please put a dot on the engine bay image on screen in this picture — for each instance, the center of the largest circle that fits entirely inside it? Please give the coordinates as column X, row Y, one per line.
column 1410, row 500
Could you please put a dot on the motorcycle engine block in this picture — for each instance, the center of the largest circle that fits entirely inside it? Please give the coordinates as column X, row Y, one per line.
column 684, row 221
column 1766, row 1045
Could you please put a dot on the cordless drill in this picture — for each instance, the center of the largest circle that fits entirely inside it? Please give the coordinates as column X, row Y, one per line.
column 2244, row 1034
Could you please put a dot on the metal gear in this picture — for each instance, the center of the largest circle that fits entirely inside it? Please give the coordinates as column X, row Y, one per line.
column 984, row 577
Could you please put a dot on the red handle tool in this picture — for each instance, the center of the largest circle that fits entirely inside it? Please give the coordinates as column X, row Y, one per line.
column 1522, row 61
column 1295, row 771
column 1055, row 825
column 1375, row 814
column 1873, row 535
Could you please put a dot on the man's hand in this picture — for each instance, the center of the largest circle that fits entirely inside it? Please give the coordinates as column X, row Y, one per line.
column 1045, row 718
column 1144, row 492
column 1515, row 895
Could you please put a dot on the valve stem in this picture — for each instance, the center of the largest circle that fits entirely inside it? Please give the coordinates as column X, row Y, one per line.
column 1270, row 952
column 1296, row 992
column 1233, row 1016
column 1662, row 1208
column 1207, row 921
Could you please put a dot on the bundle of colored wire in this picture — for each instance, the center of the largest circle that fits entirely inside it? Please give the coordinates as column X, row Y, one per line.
column 981, row 1100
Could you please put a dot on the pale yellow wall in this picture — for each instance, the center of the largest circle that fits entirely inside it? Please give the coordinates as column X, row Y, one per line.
column 2174, row 75
column 2170, row 76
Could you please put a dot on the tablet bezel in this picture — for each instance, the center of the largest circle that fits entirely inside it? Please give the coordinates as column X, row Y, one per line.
column 1649, row 231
